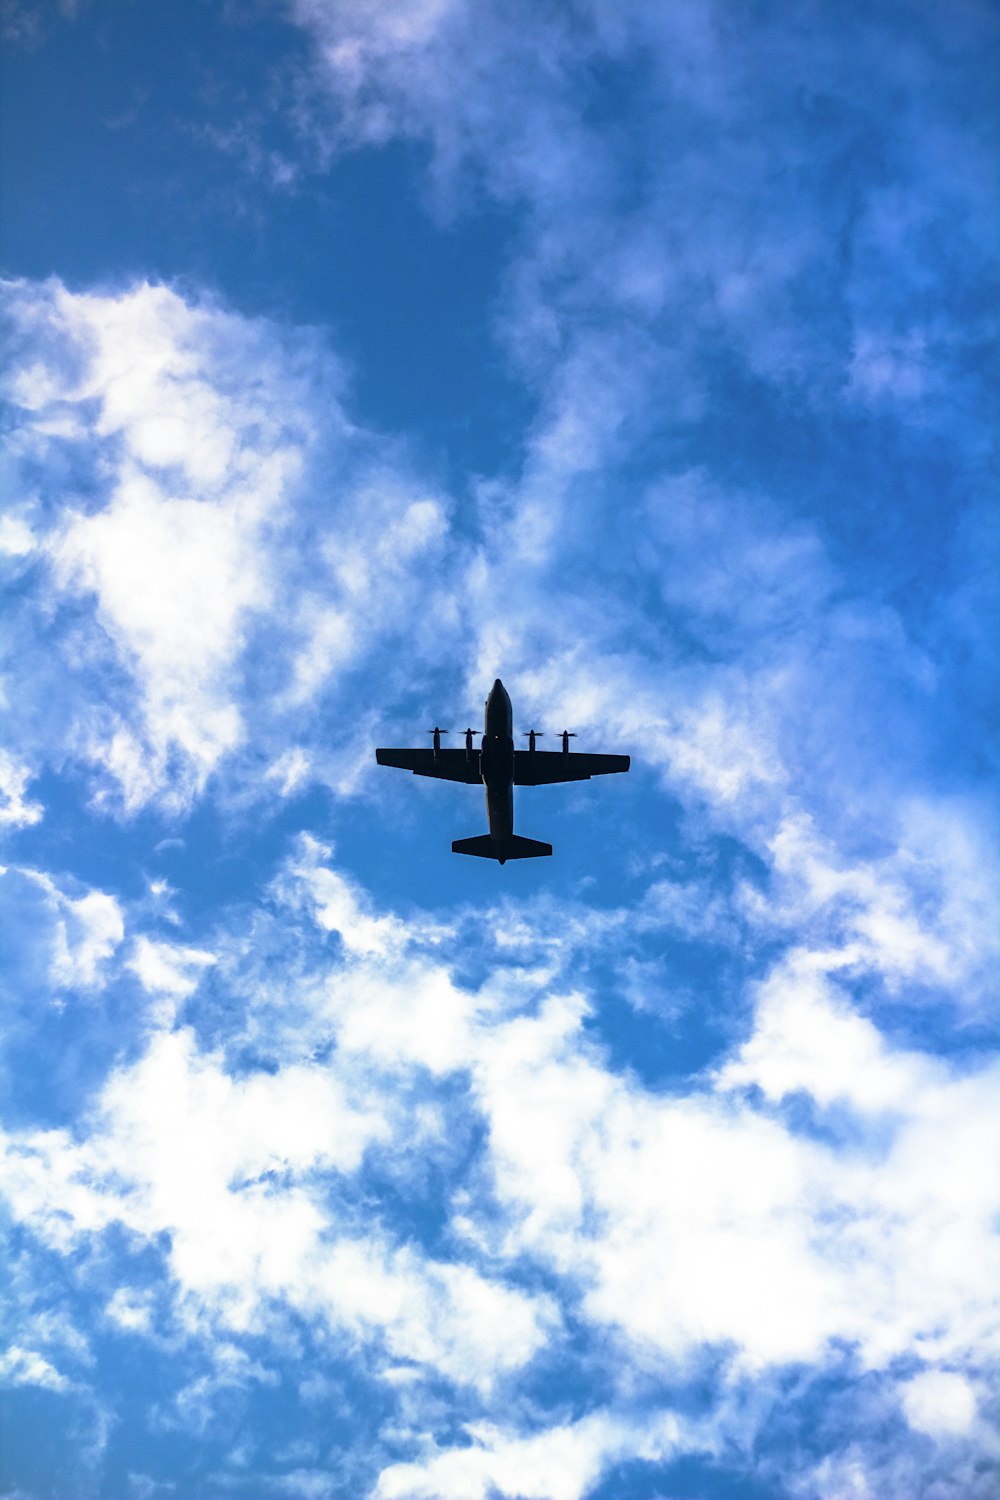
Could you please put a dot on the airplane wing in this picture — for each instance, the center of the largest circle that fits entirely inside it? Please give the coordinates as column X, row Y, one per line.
column 447, row 765
column 542, row 767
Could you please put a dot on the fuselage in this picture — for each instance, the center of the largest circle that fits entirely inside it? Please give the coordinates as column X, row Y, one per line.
column 497, row 762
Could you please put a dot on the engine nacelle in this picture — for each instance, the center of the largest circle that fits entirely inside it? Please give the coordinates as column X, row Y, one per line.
column 437, row 733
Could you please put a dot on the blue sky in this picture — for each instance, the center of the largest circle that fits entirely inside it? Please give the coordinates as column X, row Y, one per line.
column 646, row 357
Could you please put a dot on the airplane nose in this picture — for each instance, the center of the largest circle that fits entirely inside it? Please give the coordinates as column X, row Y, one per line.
column 497, row 684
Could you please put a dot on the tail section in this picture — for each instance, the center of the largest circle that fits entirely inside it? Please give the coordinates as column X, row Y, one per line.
column 503, row 849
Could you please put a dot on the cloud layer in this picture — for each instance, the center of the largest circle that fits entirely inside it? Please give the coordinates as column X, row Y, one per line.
column 815, row 1202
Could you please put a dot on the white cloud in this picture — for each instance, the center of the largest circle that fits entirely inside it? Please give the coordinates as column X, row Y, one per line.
column 167, row 379
column 669, row 1227
column 24, row 1367
column 289, row 770
column 781, row 1241
column 195, row 443
column 131, row 1309
column 926, row 911
column 193, row 1408
column 174, row 579
column 808, row 1038
column 184, row 605
column 443, row 1317
column 74, row 934
column 15, row 809
column 230, row 1169
column 941, row 1403
column 90, row 930
column 738, row 1229
column 340, row 907
column 559, row 1463
column 741, row 1229
column 168, row 968
column 705, row 1210
column 16, row 537
column 170, row 972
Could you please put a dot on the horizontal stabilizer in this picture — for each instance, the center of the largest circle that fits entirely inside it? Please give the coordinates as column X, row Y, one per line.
column 503, row 849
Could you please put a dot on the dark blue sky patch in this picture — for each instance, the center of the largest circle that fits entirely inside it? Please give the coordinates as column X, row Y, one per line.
column 692, row 1479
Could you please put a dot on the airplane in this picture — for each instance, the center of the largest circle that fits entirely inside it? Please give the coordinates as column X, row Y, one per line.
column 500, row 768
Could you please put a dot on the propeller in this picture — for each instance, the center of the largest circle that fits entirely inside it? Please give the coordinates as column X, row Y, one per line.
column 531, row 735
column 567, row 735
column 437, row 732
column 468, row 739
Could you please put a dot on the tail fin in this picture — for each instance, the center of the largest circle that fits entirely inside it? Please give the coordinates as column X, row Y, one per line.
column 503, row 849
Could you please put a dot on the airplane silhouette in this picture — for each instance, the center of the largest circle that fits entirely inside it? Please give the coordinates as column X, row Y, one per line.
column 500, row 768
